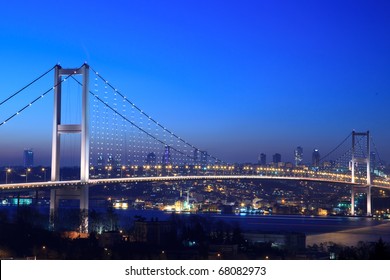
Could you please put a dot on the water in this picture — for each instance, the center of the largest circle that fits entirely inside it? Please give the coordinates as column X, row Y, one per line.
column 341, row 230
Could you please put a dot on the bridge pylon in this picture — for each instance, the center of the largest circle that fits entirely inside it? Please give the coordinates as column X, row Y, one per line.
column 59, row 128
column 357, row 159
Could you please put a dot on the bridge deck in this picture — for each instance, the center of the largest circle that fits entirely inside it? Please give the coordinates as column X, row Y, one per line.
column 94, row 182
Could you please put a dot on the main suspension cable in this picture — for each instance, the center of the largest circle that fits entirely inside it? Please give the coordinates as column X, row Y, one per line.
column 26, row 86
column 149, row 117
column 36, row 99
column 338, row 146
column 132, row 123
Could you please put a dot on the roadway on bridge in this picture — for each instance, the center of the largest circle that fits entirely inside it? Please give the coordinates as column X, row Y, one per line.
column 104, row 181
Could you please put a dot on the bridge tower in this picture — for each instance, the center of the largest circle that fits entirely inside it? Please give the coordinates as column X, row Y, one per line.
column 362, row 159
column 61, row 128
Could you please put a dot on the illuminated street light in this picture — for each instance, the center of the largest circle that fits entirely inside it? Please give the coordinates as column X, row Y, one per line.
column 92, row 170
column 27, row 171
column 7, row 171
column 44, row 173
column 108, row 168
column 158, row 168
column 169, row 168
column 122, row 169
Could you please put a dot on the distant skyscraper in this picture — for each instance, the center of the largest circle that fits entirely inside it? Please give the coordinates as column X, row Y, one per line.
column 167, row 155
column 262, row 159
column 151, row 159
column 100, row 161
column 315, row 158
column 196, row 156
column 298, row 156
column 372, row 161
column 276, row 158
column 110, row 160
column 204, row 157
column 28, row 158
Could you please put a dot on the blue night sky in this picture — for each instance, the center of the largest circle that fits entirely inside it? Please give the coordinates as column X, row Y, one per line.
column 236, row 78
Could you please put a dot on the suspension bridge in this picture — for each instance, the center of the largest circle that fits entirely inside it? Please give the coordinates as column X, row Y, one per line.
column 120, row 143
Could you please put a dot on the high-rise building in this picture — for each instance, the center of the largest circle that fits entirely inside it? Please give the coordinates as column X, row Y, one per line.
column 298, row 153
column 196, row 156
column 372, row 161
column 167, row 155
column 263, row 159
column 204, row 157
column 276, row 158
column 315, row 158
column 28, row 158
column 110, row 160
column 151, row 159
column 100, row 161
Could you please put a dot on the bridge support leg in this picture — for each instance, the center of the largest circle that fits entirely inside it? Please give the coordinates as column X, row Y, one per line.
column 352, row 201
column 81, row 194
column 84, row 206
column 368, row 200
column 53, row 209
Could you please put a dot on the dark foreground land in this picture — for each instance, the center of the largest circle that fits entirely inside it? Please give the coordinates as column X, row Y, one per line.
column 192, row 237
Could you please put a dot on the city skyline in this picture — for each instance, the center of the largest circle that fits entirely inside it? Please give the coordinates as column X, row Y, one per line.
column 234, row 79
column 26, row 159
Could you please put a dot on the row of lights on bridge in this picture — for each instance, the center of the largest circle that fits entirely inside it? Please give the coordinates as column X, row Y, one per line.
column 110, row 167
column 8, row 171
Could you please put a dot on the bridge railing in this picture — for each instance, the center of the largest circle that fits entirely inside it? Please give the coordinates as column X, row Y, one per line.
column 40, row 174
